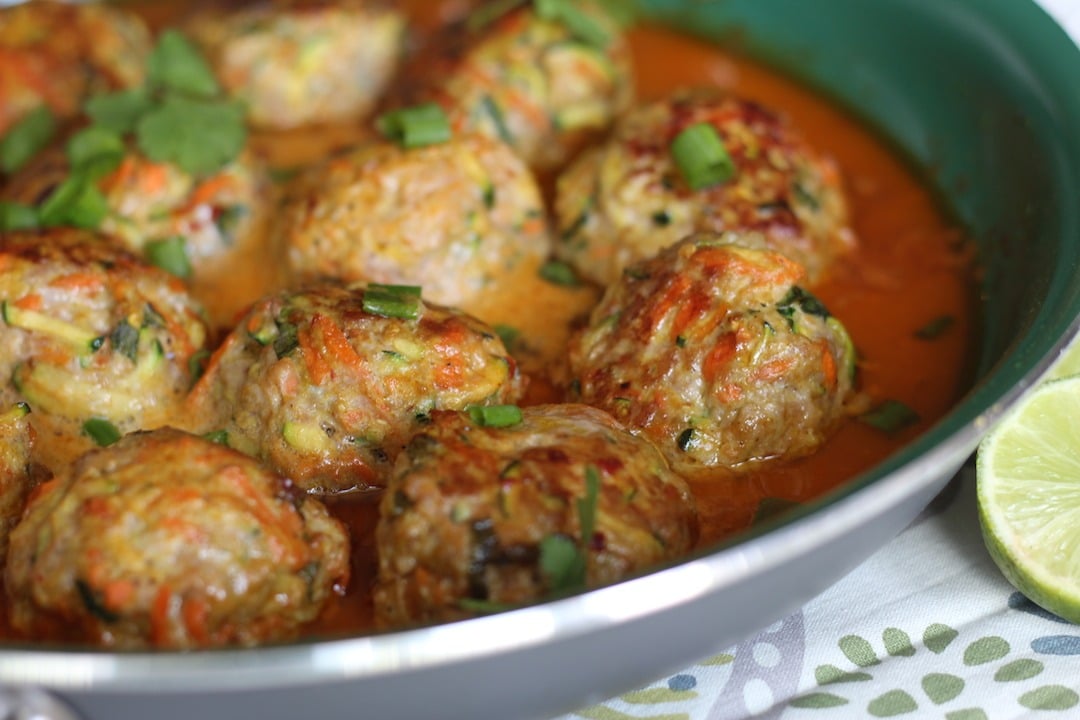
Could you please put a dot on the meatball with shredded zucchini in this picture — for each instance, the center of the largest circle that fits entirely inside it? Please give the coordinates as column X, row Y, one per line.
column 326, row 384
column 499, row 506
column 455, row 217
column 183, row 222
column 714, row 352
column 168, row 540
column 56, row 54
column 16, row 478
column 91, row 336
column 700, row 162
column 541, row 82
column 301, row 62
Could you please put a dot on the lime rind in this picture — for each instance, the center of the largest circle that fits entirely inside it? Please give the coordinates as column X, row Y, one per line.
column 1068, row 362
column 1028, row 470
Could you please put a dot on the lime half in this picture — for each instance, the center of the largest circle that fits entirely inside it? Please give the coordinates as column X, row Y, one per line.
column 1028, row 470
column 1068, row 363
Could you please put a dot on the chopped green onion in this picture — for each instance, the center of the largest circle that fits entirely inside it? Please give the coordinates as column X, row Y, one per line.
column 890, row 417
column 287, row 339
column 586, row 506
column 196, row 362
column 495, row 416
column 220, row 437
column 125, row 340
column 578, row 22
column 559, row 273
column 415, row 127
column 392, row 301
column 26, row 137
column 701, row 157
column 16, row 216
column 101, row 431
column 76, row 202
column 170, row 254
column 562, row 562
column 935, row 328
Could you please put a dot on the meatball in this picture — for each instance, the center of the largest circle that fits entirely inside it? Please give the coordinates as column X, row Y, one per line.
column 714, row 352
column 627, row 200
column 59, row 53
column 167, row 540
column 153, row 202
column 455, row 218
column 16, row 479
column 543, row 86
column 298, row 62
column 91, row 333
column 326, row 384
column 478, row 517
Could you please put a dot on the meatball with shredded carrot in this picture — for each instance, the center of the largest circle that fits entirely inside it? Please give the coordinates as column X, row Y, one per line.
column 542, row 82
column 56, row 54
column 16, row 478
column 300, row 62
column 180, row 221
column 714, row 352
column 500, row 506
column 700, row 162
column 326, row 384
column 167, row 540
column 92, row 337
column 455, row 217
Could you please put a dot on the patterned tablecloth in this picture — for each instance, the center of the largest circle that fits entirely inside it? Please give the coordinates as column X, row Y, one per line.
column 927, row 627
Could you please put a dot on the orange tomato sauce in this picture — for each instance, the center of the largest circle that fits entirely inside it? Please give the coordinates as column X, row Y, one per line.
column 912, row 266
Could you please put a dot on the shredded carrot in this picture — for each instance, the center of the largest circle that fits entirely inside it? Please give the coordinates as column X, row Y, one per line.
column 201, row 387
column 121, row 176
column 78, row 281
column 336, row 343
column 719, row 356
column 54, row 355
column 670, row 294
column 209, row 188
column 153, row 177
column 828, row 364
column 774, row 369
column 317, row 368
column 159, row 616
column 195, row 612
column 117, row 593
column 28, row 302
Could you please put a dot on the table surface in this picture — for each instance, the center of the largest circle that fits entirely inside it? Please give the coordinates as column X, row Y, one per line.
column 927, row 627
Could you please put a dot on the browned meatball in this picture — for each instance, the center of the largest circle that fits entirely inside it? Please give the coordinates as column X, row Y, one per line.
column 326, row 385
column 92, row 333
column 543, row 86
column 297, row 62
column 627, row 200
column 58, row 53
column 455, row 217
column 715, row 353
column 150, row 203
column 479, row 517
column 167, row 540
column 16, row 481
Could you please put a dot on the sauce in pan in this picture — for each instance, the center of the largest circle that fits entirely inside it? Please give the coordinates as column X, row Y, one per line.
column 911, row 269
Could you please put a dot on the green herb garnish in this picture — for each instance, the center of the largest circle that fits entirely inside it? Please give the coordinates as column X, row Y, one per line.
column 177, row 65
column 101, row 431
column 198, row 136
column 220, row 437
column 125, row 340
column 26, row 138
column 95, row 151
column 562, row 561
column 559, row 273
column 890, row 417
column 119, row 111
column 76, row 202
column 169, row 254
column 495, row 416
column 392, row 301
column 700, row 155
column 415, row 127
column 16, row 216
column 577, row 21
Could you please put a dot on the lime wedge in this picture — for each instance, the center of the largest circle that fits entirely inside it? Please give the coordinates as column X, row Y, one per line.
column 1067, row 364
column 1028, row 470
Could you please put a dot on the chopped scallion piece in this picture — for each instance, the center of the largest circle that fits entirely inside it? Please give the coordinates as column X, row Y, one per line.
column 221, row 437
column 495, row 416
column 890, row 417
column 392, row 301
column 562, row 563
column 101, row 431
column 701, row 157
column 170, row 254
column 415, row 127
column 26, row 137
column 76, row 202
column 559, row 273
column 577, row 21
column 586, row 506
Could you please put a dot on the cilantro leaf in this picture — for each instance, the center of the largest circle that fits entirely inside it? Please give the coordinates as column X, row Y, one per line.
column 76, row 202
column 176, row 64
column 95, row 150
column 26, row 138
column 16, row 216
column 118, row 111
column 199, row 137
column 562, row 562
